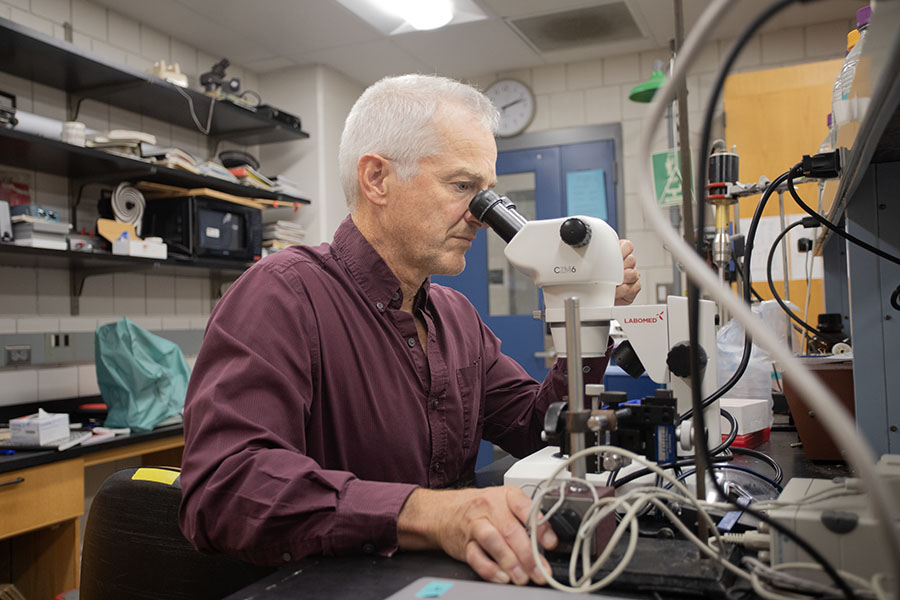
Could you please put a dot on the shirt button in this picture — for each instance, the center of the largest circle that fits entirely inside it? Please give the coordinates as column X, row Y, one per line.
column 435, row 403
column 411, row 342
column 368, row 548
column 379, row 305
column 286, row 557
column 396, row 296
column 586, row 369
column 436, row 467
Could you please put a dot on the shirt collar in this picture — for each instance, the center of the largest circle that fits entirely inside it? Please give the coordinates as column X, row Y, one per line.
column 368, row 268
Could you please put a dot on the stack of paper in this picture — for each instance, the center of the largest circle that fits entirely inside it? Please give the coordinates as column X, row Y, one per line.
column 250, row 176
column 280, row 235
column 174, row 158
column 287, row 186
column 40, row 233
column 212, row 168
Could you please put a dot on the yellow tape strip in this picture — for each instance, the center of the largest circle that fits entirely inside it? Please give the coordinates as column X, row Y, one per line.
column 158, row 475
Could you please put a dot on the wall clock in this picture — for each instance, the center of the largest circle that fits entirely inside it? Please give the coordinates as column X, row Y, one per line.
column 515, row 101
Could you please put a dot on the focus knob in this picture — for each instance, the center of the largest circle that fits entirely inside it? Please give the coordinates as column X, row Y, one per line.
column 679, row 360
column 575, row 232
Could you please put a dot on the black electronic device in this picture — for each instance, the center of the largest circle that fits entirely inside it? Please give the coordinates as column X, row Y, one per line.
column 202, row 227
column 276, row 114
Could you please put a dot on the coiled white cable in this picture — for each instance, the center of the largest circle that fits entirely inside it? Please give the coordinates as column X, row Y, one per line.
column 128, row 205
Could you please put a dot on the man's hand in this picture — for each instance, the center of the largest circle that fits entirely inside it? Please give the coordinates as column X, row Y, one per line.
column 483, row 527
column 631, row 284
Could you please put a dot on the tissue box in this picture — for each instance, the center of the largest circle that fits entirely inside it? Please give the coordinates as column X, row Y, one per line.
column 39, row 428
column 146, row 248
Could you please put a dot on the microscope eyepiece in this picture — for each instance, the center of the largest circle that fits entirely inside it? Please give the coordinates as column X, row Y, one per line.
column 498, row 212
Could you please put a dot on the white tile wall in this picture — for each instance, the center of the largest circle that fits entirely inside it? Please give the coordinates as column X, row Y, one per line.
column 87, row 380
column 30, row 20
column 124, row 32
column 783, row 46
column 583, row 75
column 548, row 79
column 89, row 18
column 19, row 386
column 827, row 40
column 57, row 383
column 620, row 69
column 567, row 110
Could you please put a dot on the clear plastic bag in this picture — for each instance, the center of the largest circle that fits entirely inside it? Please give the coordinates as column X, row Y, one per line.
column 757, row 380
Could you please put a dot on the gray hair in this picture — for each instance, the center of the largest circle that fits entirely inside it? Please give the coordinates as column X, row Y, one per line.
column 395, row 119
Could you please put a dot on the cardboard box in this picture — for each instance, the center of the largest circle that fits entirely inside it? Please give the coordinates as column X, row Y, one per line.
column 39, row 428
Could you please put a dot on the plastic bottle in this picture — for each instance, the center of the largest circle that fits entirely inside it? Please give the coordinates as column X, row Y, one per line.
column 843, row 105
column 827, row 144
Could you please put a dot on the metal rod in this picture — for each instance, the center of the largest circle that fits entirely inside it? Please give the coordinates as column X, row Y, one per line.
column 576, row 381
column 684, row 143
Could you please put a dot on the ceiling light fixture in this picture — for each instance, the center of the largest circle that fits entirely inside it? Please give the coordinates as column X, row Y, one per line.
column 420, row 14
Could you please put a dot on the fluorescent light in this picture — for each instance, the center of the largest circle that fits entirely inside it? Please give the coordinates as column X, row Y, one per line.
column 421, row 14
column 396, row 17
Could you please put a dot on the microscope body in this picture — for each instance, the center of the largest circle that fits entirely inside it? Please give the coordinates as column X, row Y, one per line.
column 580, row 258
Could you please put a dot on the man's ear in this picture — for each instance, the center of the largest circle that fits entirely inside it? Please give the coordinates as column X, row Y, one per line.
column 373, row 172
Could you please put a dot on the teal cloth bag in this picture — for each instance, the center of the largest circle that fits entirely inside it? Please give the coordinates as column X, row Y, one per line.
column 143, row 378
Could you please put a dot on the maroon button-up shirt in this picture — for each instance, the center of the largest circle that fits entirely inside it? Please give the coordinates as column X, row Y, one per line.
column 312, row 411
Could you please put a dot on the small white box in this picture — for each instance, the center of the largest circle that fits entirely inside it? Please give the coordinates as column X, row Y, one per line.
column 146, row 248
column 752, row 414
column 39, row 428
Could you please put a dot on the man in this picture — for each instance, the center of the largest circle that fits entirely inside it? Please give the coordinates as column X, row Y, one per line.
column 336, row 385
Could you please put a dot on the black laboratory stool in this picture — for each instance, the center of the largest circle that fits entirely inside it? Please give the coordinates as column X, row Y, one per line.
column 133, row 547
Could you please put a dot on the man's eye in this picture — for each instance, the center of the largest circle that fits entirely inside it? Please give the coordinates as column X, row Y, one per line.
column 463, row 187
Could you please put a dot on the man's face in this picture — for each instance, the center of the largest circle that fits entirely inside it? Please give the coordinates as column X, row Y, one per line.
column 431, row 223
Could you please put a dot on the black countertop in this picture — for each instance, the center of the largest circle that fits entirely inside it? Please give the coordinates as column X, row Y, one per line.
column 22, row 459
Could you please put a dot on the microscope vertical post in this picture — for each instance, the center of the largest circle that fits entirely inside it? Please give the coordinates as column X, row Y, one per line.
column 576, row 381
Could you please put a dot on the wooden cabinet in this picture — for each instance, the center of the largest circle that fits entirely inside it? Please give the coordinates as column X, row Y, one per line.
column 41, row 496
column 41, row 509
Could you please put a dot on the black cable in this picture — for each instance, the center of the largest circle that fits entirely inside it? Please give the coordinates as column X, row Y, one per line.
column 694, row 296
column 776, row 468
column 684, row 462
column 748, row 286
column 732, row 435
column 876, row 251
column 778, row 298
column 895, row 298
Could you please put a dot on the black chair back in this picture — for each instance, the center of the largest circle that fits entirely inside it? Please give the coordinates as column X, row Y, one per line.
column 134, row 548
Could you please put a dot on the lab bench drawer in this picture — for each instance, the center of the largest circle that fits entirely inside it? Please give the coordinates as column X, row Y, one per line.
column 40, row 496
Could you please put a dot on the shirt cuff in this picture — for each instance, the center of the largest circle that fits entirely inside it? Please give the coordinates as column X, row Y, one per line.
column 366, row 519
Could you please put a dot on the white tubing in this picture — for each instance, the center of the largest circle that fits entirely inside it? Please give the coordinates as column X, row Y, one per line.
column 837, row 421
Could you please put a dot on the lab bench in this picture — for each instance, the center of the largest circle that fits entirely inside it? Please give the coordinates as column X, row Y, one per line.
column 42, row 502
column 374, row 577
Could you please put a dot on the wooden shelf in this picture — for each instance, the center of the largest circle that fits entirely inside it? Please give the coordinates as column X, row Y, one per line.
column 32, row 55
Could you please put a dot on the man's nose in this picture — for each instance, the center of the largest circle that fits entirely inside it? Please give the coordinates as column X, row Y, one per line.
column 471, row 220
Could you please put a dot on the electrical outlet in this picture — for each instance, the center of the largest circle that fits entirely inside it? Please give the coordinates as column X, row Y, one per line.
column 18, row 355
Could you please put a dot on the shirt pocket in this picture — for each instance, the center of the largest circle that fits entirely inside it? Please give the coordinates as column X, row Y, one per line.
column 469, row 381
